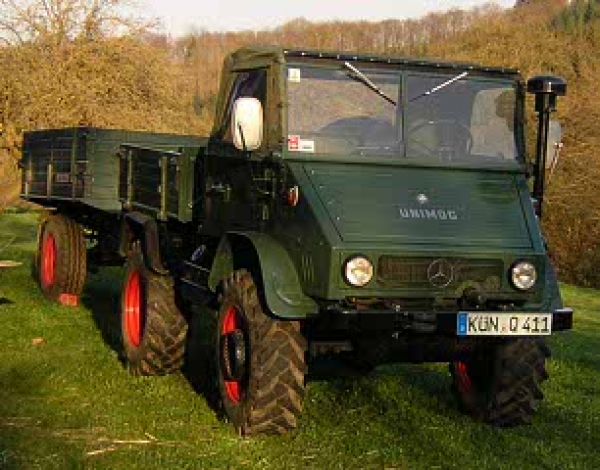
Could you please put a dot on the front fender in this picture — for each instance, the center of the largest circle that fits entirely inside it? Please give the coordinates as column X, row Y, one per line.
column 282, row 290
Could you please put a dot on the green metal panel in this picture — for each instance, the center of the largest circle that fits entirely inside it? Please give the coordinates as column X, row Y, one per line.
column 442, row 206
column 158, row 181
column 481, row 220
column 89, row 157
column 282, row 288
column 102, row 146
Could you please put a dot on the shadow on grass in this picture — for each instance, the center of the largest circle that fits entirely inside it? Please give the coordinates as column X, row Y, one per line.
column 102, row 298
column 199, row 367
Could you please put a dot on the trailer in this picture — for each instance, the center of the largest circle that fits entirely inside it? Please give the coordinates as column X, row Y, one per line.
column 376, row 209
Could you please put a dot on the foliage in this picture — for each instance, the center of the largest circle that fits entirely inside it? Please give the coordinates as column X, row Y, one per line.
column 77, row 62
column 99, row 67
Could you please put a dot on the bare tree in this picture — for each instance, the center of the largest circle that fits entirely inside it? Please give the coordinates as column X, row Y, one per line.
column 60, row 21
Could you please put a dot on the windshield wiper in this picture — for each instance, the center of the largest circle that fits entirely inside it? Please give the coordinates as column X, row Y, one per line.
column 437, row 88
column 362, row 78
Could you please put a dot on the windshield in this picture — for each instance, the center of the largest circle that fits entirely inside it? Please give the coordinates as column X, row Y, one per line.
column 448, row 117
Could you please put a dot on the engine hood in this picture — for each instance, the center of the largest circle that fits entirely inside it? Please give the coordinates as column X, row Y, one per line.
column 446, row 207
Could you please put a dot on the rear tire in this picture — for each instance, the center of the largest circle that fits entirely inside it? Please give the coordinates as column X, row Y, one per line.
column 61, row 259
column 153, row 329
column 500, row 384
column 260, row 362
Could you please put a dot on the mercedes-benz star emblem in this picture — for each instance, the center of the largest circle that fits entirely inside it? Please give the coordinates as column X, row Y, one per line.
column 440, row 273
column 422, row 199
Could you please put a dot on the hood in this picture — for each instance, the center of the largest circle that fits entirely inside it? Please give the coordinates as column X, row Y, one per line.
column 426, row 206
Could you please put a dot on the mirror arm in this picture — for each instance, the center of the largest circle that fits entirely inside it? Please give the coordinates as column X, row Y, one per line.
column 241, row 129
column 546, row 90
column 544, row 106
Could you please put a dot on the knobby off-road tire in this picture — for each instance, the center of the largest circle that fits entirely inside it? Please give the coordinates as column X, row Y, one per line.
column 501, row 384
column 262, row 391
column 153, row 330
column 61, row 263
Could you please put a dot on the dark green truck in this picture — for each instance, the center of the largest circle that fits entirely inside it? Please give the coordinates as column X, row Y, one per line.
column 375, row 209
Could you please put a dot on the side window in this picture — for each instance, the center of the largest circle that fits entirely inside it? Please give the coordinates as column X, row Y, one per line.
column 251, row 84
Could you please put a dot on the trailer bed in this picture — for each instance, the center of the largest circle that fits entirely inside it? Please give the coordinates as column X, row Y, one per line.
column 82, row 163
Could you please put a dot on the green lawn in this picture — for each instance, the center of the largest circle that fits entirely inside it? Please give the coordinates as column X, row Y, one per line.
column 67, row 402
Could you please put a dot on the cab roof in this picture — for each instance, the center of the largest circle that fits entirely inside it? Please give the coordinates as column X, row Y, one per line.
column 256, row 56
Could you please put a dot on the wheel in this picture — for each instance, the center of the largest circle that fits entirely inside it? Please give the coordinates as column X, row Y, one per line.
column 153, row 330
column 259, row 360
column 500, row 384
column 61, row 260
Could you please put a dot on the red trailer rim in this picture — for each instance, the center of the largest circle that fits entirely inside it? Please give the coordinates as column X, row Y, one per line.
column 232, row 323
column 464, row 380
column 48, row 261
column 134, row 315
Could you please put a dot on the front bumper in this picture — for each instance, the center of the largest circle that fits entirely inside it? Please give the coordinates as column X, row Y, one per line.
column 440, row 323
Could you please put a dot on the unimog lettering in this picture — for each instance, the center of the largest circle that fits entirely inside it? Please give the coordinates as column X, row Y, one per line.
column 428, row 214
column 282, row 236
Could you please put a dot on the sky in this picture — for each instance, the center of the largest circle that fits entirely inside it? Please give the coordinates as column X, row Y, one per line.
column 181, row 16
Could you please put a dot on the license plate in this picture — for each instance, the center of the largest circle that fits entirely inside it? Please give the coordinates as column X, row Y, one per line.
column 62, row 178
column 503, row 324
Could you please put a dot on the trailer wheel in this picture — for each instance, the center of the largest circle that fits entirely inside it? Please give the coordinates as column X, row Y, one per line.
column 61, row 260
column 501, row 384
column 260, row 362
column 153, row 329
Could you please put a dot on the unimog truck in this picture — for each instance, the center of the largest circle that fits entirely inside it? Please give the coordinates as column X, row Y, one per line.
column 375, row 209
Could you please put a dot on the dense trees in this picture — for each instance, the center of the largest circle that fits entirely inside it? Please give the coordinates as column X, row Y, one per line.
column 83, row 62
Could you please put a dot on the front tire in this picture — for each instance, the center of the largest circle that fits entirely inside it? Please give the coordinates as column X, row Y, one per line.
column 500, row 384
column 260, row 362
column 153, row 330
column 61, row 260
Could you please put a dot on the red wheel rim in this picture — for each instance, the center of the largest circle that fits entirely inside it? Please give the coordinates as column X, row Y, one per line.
column 231, row 323
column 464, row 380
column 134, row 315
column 48, row 261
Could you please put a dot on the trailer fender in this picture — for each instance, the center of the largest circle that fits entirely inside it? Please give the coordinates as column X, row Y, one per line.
column 137, row 226
column 282, row 290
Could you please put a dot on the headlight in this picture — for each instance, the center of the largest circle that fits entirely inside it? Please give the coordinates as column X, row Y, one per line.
column 358, row 271
column 523, row 275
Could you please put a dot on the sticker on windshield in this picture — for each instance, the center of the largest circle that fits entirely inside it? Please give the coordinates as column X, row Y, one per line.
column 294, row 75
column 307, row 146
column 296, row 144
column 293, row 143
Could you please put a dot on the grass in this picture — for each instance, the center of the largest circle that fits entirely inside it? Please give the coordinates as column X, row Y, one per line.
column 67, row 402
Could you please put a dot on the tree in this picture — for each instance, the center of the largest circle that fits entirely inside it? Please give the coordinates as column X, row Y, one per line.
column 60, row 21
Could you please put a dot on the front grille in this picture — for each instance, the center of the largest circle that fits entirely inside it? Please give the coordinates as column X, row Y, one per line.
column 394, row 271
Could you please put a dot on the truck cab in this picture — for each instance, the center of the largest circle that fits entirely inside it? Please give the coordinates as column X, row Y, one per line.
column 401, row 184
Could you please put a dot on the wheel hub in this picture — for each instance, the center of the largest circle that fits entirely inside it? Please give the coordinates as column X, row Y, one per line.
column 48, row 267
column 233, row 353
column 134, row 315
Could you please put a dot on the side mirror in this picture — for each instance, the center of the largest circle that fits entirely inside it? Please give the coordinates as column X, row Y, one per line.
column 247, row 124
column 546, row 89
column 554, row 144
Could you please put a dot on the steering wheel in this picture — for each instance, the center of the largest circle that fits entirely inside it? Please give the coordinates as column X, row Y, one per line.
column 448, row 132
column 361, row 130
